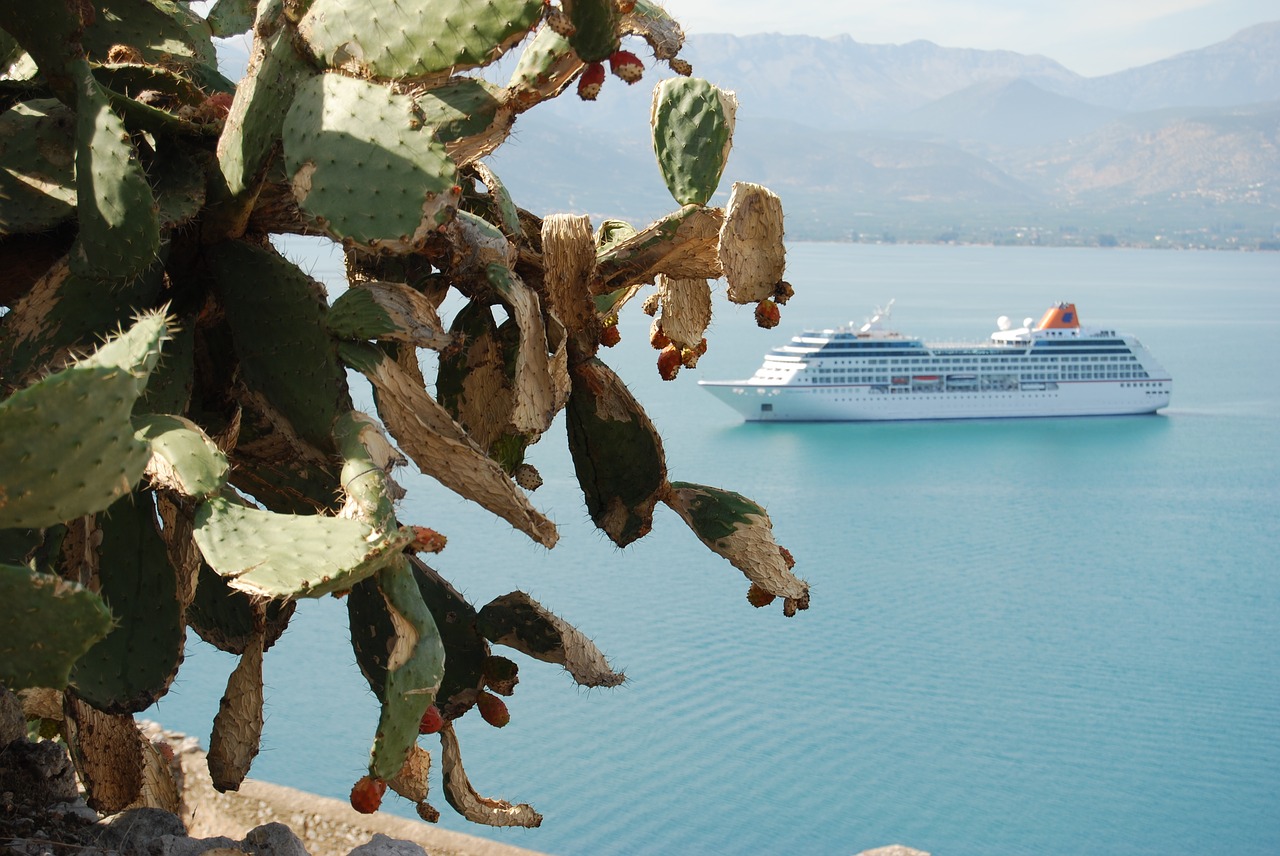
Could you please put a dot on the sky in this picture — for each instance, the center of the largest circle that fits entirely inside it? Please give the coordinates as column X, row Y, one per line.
column 1090, row 37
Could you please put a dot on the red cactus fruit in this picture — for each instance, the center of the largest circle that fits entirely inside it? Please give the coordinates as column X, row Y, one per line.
column 366, row 794
column 427, row 540
column 669, row 362
column 214, row 108
column 493, row 709
column 591, row 81
column 626, row 65
column 657, row 338
column 758, row 597
column 431, row 722
column 610, row 335
column 767, row 314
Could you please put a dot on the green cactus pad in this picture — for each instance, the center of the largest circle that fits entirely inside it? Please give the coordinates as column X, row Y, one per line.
column 276, row 315
column 363, row 164
column 616, row 451
column 119, row 233
column 183, row 458
column 48, row 32
column 415, row 668
column 595, row 24
column 67, row 447
column 398, row 38
column 163, row 31
column 178, row 177
column 133, row 666
column 228, row 619
column 49, row 624
column 289, row 555
column 547, row 65
column 37, row 166
column 367, row 456
column 254, row 125
column 739, row 530
column 65, row 313
column 459, row 108
column 521, row 623
column 169, row 387
column 388, row 311
column 692, row 122
column 232, row 17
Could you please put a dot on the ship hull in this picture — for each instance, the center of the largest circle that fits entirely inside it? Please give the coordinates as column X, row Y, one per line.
column 853, row 403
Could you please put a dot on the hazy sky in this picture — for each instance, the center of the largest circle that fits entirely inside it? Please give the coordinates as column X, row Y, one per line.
column 1090, row 37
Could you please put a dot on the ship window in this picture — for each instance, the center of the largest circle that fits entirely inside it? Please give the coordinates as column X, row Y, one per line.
column 766, row 408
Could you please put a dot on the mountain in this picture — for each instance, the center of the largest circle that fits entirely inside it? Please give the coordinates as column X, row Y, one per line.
column 1005, row 113
column 1244, row 69
column 919, row 142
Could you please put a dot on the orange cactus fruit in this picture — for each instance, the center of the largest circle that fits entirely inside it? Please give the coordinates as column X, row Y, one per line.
column 767, row 314
column 427, row 540
column 758, row 597
column 493, row 709
column 669, row 362
column 366, row 794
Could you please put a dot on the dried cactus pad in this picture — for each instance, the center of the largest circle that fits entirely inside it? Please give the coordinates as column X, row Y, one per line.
column 751, row 249
column 400, row 38
column 364, row 165
column 692, row 123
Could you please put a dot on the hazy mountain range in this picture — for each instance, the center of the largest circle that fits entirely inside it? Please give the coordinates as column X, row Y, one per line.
column 918, row 141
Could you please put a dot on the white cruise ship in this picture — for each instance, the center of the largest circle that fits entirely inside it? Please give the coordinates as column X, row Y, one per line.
column 1055, row 368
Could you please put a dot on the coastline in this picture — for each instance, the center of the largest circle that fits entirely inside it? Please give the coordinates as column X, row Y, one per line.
column 326, row 827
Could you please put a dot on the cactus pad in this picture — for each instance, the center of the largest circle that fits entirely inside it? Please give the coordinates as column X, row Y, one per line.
column 692, row 123
column 119, row 233
column 520, row 622
column 399, row 38
column 364, row 165
column 183, row 458
column 740, row 530
column 287, row 555
column 37, row 166
column 387, row 311
column 133, row 666
column 750, row 245
column 66, row 443
column 616, row 451
column 50, row 623
column 595, row 28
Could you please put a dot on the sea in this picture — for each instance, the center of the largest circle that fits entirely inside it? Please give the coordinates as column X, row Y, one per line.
column 1033, row 636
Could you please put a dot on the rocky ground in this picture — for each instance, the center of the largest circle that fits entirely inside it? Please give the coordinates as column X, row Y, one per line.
column 42, row 812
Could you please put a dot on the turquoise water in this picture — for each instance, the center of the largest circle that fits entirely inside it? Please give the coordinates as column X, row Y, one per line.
column 1031, row 636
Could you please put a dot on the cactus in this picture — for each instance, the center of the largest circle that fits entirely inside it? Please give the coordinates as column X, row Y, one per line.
column 205, row 467
column 692, row 122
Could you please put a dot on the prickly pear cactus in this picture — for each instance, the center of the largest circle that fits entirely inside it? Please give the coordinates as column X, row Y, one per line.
column 178, row 444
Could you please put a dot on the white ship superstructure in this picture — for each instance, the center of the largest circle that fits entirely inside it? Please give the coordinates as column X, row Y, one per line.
column 1055, row 367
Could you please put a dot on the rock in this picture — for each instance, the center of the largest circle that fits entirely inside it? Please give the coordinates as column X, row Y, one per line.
column 177, row 845
column 274, row 839
column 893, row 850
column 133, row 831
column 382, row 845
column 39, row 772
column 13, row 723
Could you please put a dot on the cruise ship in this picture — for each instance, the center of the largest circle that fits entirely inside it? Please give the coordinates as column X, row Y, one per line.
column 1056, row 367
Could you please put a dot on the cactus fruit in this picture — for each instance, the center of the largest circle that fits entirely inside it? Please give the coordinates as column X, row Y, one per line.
column 767, row 314
column 626, row 65
column 669, row 362
column 366, row 794
column 492, row 709
column 431, row 721
column 590, row 82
